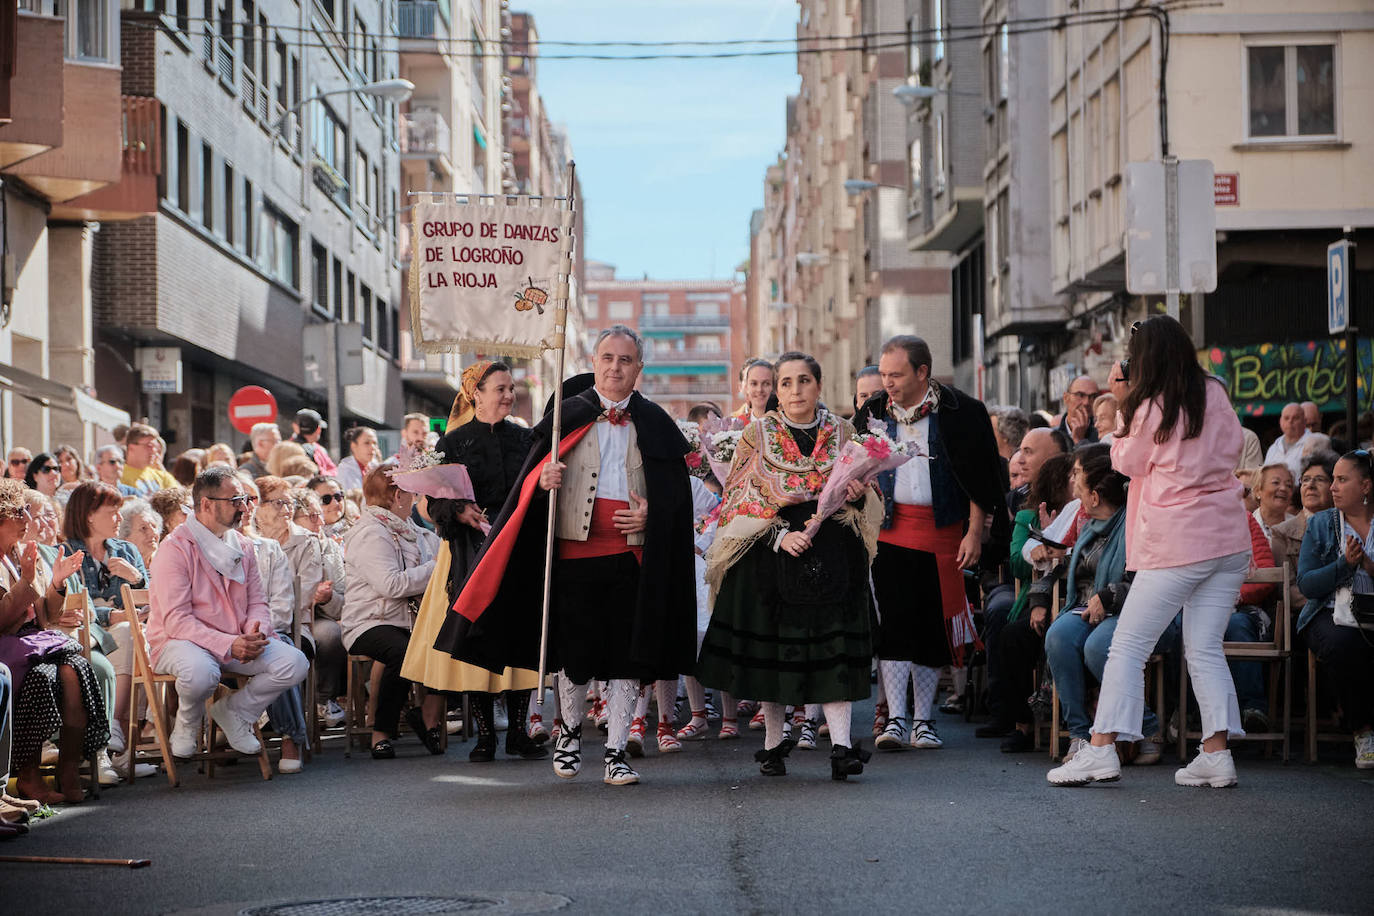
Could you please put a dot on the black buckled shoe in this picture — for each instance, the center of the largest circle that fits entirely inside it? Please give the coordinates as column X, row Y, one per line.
column 847, row 761
column 771, row 760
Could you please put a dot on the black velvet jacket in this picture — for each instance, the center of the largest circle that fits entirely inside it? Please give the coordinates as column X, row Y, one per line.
column 493, row 454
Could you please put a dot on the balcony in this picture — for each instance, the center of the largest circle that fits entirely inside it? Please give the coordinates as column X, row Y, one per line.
column 686, row 388
column 425, row 135
column 419, row 19
column 136, row 191
column 687, row 357
column 31, row 100
column 683, row 322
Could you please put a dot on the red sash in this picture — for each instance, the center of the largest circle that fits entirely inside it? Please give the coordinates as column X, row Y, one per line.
column 485, row 581
column 604, row 539
column 913, row 527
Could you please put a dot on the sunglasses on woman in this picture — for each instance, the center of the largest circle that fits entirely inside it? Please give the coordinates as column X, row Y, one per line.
column 327, row 498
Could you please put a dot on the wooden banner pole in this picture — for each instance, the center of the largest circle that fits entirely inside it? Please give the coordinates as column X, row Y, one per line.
column 561, row 343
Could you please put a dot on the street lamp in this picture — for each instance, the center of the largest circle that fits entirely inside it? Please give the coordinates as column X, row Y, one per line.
column 397, row 90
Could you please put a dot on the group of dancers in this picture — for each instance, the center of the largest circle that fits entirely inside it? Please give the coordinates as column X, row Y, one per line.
column 658, row 573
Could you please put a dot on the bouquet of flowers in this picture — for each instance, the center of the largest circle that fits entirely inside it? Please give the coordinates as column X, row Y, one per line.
column 697, row 465
column 720, row 438
column 862, row 458
column 422, row 472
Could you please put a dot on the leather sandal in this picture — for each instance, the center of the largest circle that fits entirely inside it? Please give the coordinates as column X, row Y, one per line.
column 383, row 750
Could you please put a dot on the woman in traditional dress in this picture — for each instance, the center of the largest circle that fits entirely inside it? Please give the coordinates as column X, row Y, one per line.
column 792, row 614
column 492, row 448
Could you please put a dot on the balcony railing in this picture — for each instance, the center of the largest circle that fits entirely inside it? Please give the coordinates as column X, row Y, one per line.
column 690, row 387
column 226, row 62
column 424, row 131
column 687, row 356
column 656, row 322
column 418, row 19
column 142, row 135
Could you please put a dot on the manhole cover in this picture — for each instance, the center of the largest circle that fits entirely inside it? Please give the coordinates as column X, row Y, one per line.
column 379, row 906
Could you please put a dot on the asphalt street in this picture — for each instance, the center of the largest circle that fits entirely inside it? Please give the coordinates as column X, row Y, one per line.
column 961, row 830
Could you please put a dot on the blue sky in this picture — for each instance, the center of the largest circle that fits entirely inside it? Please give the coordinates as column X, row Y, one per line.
column 670, row 154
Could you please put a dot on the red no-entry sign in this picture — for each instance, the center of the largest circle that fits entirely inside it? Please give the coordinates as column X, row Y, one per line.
column 252, row 404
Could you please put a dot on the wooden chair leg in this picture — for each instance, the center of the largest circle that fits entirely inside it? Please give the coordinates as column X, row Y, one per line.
column 1311, row 707
column 1287, row 704
column 1055, row 732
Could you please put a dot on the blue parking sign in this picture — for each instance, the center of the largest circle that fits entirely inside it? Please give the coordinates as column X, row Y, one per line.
column 1338, row 286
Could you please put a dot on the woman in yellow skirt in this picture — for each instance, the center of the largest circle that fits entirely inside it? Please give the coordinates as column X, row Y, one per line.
column 492, row 448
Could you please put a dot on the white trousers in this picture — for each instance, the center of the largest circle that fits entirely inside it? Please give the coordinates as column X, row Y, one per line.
column 279, row 668
column 1207, row 592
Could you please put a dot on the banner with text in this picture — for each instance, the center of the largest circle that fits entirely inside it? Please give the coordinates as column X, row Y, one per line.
column 1263, row 378
column 484, row 276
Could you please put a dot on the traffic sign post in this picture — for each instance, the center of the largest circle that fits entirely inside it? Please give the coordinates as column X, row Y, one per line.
column 250, row 405
column 1340, row 299
column 1171, row 220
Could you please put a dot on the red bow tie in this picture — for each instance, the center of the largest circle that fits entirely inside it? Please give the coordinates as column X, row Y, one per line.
column 616, row 416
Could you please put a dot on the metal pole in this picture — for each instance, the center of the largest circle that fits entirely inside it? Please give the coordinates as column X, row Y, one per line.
column 1352, row 351
column 331, row 381
column 560, row 342
column 1171, row 281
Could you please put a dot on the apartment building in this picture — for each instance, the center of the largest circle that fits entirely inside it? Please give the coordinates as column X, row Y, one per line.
column 65, row 136
column 276, row 208
column 1277, row 99
column 693, row 330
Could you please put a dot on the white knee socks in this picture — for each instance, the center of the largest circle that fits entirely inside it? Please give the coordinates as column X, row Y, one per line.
column 696, row 696
column 642, row 703
column 772, row 724
column 926, row 681
column 666, row 692
column 837, row 716
column 894, row 676
column 620, row 696
column 570, row 698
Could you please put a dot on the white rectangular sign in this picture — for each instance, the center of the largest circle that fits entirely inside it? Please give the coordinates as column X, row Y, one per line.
column 1158, row 228
column 160, row 369
column 486, row 277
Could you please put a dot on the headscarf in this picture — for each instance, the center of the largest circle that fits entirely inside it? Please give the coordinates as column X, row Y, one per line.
column 465, row 402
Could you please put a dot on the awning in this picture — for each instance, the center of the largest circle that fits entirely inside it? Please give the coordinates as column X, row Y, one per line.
column 58, row 396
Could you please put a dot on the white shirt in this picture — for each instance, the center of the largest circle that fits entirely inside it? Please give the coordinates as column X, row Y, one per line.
column 1291, row 455
column 614, row 444
column 913, row 478
column 1057, row 531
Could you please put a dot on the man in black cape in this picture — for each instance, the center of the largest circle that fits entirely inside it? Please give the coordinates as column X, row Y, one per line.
column 623, row 606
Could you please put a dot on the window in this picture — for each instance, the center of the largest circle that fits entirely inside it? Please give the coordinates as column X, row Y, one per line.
column 395, row 332
column 1003, row 62
column 365, row 309
column 207, row 185
column 913, row 47
column 183, row 182
column 479, row 89
column 246, row 220
column 88, row 30
column 914, row 175
column 381, row 325
column 277, row 252
column 331, row 139
column 319, row 275
column 184, row 15
column 1291, row 90
column 591, row 309
column 479, row 157
column 937, row 26
column 250, row 38
column 231, row 213
column 708, row 342
column 351, row 298
column 619, row 311
column 708, row 309
column 362, row 176
column 938, row 164
column 338, row 290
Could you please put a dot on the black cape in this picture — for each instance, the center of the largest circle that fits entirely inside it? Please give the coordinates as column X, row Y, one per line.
column 506, row 631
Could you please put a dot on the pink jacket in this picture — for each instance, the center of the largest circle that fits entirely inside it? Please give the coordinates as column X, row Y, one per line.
column 190, row 600
column 1184, row 503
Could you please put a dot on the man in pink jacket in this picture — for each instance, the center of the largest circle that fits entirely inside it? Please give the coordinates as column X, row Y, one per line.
column 209, row 614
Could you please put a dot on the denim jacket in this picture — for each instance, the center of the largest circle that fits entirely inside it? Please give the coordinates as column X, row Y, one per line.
column 1321, row 564
column 107, row 586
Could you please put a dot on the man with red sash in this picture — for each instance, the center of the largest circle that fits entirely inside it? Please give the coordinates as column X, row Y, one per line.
column 623, row 606
column 933, row 516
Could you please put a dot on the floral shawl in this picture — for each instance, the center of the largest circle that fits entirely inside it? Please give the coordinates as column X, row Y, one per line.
column 770, row 473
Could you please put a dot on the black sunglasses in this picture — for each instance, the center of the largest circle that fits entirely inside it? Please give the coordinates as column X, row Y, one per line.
column 47, row 469
column 327, row 498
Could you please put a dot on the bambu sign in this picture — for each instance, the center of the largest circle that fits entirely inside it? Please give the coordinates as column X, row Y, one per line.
column 482, row 276
column 1263, row 378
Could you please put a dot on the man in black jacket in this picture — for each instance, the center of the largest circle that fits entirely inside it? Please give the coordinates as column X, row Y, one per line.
column 934, row 512
column 624, row 590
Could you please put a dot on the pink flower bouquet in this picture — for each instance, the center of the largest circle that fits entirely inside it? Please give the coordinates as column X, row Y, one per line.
column 862, row 458
column 421, row 473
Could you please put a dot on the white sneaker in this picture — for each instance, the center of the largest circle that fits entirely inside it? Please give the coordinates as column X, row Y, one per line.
column 1215, row 769
column 184, row 741
column 237, row 731
column 1089, row 764
column 117, row 742
column 287, row 765
column 333, row 714
column 141, row 770
column 1075, row 745
column 108, row 775
column 1364, row 750
column 923, row 735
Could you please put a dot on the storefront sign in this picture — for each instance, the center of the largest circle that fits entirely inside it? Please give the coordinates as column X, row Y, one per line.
column 1226, row 189
column 159, row 368
column 1263, row 378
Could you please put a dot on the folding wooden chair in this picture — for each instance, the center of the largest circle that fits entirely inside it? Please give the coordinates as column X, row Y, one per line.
column 155, row 689
column 1315, row 734
column 80, row 601
column 1278, row 652
column 364, row 679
